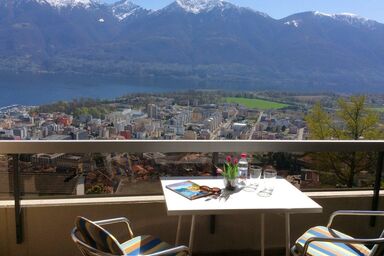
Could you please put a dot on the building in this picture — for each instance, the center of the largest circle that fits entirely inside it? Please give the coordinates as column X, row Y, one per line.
column 58, row 137
column 238, row 129
column 21, row 132
column 64, row 120
column 70, row 162
column 152, row 111
column 190, row 135
column 45, row 159
column 205, row 134
column 80, row 135
column 126, row 134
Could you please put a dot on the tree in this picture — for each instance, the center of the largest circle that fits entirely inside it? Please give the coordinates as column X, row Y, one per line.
column 352, row 121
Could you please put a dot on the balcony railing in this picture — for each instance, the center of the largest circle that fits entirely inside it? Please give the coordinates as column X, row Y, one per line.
column 209, row 146
column 16, row 148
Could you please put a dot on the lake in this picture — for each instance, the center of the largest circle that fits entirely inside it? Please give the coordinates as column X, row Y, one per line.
column 37, row 89
column 32, row 89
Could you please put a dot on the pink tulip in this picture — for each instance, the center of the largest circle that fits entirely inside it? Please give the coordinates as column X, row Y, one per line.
column 235, row 161
column 228, row 159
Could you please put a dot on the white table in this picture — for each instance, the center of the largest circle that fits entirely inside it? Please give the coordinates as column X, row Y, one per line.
column 285, row 199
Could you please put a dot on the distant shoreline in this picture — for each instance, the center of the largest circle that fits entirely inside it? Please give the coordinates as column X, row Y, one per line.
column 37, row 89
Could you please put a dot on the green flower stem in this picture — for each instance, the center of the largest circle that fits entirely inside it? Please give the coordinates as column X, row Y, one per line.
column 230, row 171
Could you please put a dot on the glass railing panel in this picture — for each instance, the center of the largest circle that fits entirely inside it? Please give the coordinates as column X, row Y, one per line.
column 143, row 171
column 323, row 170
column 6, row 177
column 131, row 174
column 68, row 175
column 54, row 174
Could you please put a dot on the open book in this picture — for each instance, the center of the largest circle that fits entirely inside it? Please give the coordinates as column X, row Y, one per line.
column 188, row 189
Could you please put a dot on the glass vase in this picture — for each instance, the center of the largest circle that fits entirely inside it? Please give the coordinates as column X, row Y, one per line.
column 230, row 184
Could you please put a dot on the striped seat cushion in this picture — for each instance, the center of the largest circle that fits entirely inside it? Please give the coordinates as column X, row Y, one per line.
column 97, row 237
column 143, row 245
column 327, row 248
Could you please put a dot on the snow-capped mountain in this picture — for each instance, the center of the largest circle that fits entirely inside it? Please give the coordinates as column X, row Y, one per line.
column 50, row 3
column 347, row 18
column 47, row 26
column 355, row 20
column 69, row 3
column 294, row 23
column 190, row 38
column 125, row 8
column 197, row 6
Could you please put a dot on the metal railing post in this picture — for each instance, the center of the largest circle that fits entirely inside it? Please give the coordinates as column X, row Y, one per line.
column 17, row 196
column 377, row 186
column 212, row 218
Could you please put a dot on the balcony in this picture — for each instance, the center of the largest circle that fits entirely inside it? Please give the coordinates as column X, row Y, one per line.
column 40, row 225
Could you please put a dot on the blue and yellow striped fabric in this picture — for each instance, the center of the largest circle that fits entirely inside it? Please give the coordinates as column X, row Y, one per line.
column 144, row 245
column 97, row 237
column 328, row 248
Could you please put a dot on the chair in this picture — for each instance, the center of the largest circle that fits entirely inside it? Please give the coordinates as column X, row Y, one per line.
column 323, row 241
column 93, row 240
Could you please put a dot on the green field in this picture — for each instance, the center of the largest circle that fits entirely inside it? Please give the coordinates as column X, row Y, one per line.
column 378, row 109
column 256, row 103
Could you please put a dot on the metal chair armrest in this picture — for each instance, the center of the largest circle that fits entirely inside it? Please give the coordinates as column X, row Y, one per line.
column 353, row 213
column 174, row 250
column 115, row 221
column 342, row 240
column 111, row 221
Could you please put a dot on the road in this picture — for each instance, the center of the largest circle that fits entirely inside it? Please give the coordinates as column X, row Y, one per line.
column 254, row 127
column 300, row 134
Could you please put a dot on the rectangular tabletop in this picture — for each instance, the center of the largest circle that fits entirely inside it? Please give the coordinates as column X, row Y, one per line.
column 285, row 199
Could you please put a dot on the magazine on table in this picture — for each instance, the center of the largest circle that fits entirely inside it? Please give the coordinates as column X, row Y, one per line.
column 188, row 189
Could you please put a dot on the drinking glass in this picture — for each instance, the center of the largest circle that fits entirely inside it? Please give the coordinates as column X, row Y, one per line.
column 269, row 182
column 254, row 176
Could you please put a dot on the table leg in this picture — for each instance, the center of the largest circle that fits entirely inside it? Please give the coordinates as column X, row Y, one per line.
column 262, row 235
column 191, row 233
column 287, row 234
column 177, row 240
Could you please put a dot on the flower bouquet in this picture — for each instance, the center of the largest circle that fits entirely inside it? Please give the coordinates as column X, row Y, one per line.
column 230, row 172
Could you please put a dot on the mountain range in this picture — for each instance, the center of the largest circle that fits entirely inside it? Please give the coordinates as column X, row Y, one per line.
column 205, row 41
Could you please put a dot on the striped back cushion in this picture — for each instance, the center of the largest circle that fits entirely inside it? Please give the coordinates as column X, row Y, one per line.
column 328, row 248
column 97, row 237
column 142, row 245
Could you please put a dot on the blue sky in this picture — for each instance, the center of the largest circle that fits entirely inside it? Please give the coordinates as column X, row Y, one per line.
column 372, row 9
